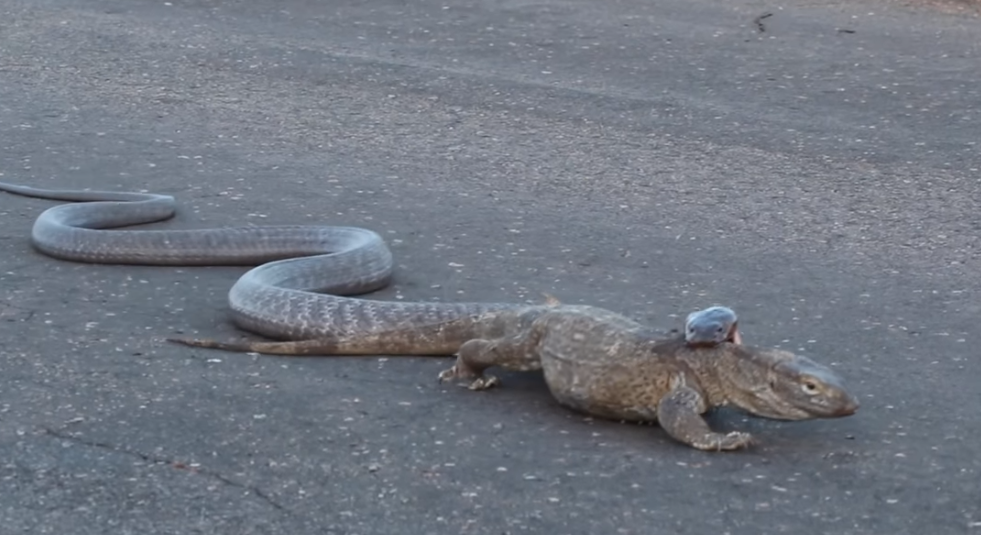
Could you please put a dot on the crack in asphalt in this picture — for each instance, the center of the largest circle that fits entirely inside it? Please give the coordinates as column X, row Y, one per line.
column 164, row 460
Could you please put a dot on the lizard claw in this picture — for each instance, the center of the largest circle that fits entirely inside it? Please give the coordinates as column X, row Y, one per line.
column 734, row 441
column 728, row 442
column 485, row 382
column 480, row 382
column 449, row 374
column 458, row 371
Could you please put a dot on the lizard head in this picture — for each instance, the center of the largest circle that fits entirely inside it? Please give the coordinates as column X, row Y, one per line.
column 785, row 386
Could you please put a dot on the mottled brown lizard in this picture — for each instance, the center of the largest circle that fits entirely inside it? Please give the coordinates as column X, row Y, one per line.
column 604, row 364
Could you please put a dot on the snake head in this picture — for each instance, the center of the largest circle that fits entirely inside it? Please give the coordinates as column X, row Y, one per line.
column 712, row 326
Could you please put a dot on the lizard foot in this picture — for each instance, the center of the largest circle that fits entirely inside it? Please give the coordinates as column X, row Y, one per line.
column 480, row 381
column 456, row 372
column 728, row 442
column 485, row 382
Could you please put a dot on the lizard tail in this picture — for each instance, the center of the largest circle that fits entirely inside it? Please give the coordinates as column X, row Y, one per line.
column 365, row 345
column 436, row 339
column 303, row 347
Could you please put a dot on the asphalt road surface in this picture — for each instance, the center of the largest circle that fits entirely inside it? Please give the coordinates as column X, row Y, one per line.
column 816, row 169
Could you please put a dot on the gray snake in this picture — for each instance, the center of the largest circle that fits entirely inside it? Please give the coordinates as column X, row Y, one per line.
column 297, row 289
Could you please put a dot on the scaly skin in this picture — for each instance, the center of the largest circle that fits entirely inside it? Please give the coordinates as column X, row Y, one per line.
column 604, row 364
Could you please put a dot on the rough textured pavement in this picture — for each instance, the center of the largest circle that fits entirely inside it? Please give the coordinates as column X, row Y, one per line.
column 820, row 176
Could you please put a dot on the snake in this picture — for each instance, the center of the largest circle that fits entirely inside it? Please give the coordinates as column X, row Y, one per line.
column 298, row 289
column 302, row 279
column 712, row 326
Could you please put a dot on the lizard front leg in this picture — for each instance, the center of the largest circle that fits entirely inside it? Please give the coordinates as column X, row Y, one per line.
column 679, row 414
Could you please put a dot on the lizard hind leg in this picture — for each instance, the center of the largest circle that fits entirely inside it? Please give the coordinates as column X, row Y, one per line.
column 473, row 357
column 517, row 353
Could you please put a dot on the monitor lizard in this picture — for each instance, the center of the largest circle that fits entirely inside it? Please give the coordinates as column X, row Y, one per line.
column 604, row 364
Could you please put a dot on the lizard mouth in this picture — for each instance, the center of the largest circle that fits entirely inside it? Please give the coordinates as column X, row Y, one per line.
column 847, row 409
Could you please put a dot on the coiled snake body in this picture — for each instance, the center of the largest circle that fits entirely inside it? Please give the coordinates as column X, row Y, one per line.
column 295, row 293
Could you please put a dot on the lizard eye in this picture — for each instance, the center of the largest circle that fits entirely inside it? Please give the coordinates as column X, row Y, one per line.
column 719, row 329
column 810, row 387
